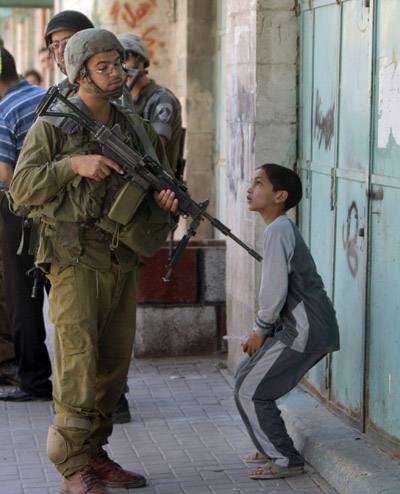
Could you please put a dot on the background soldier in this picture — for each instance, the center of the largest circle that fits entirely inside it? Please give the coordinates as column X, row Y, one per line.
column 155, row 103
column 62, row 177
column 58, row 31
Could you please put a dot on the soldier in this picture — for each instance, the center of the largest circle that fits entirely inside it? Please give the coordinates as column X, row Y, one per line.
column 58, row 31
column 153, row 102
column 62, row 178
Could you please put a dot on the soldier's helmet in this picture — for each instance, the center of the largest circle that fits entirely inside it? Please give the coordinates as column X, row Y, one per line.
column 84, row 44
column 67, row 20
column 135, row 44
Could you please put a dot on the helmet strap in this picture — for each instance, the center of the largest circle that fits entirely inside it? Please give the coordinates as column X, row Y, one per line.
column 95, row 89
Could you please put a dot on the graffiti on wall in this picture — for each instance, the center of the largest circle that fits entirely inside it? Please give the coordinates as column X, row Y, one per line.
column 349, row 236
column 138, row 17
column 324, row 124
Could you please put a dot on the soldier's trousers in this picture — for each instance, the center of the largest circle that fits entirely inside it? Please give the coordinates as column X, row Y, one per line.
column 6, row 342
column 94, row 317
column 260, row 380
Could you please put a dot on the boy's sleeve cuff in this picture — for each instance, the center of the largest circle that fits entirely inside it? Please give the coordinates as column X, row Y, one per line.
column 263, row 331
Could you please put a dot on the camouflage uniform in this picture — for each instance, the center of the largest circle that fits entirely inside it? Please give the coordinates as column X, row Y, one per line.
column 156, row 103
column 91, row 262
column 162, row 109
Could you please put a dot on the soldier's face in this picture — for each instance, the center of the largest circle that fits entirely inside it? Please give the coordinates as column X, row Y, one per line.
column 107, row 72
column 57, row 47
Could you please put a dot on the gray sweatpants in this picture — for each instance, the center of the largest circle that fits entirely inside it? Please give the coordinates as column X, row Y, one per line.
column 260, row 380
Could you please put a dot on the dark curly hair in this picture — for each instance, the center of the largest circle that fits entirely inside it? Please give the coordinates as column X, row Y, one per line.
column 283, row 178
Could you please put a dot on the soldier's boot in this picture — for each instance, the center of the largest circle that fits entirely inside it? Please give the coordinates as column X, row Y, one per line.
column 113, row 475
column 84, row 481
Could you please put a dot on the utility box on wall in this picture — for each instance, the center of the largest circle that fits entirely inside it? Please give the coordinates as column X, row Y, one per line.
column 187, row 315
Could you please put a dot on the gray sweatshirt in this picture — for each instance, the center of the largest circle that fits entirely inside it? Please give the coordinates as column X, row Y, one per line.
column 293, row 304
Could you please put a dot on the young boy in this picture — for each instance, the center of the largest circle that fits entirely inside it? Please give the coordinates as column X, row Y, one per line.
column 294, row 329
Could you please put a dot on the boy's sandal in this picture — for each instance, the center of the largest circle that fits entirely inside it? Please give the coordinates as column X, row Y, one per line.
column 271, row 470
column 256, row 457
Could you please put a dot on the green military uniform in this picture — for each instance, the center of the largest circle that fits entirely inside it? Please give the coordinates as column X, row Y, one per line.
column 162, row 109
column 6, row 342
column 92, row 299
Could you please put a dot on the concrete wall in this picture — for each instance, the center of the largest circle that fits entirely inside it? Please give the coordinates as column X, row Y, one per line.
column 187, row 315
column 261, row 127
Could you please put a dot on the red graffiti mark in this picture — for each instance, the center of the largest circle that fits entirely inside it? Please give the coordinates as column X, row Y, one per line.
column 133, row 16
column 115, row 9
column 149, row 36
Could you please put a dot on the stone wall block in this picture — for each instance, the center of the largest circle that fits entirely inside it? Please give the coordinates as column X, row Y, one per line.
column 175, row 331
column 214, row 272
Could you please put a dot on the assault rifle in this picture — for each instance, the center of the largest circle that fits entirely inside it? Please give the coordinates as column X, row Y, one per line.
column 143, row 170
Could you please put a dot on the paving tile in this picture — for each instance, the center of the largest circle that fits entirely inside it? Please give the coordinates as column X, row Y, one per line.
column 186, row 437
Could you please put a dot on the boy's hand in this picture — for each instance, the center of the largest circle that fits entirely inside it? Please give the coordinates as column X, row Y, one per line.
column 253, row 344
column 166, row 200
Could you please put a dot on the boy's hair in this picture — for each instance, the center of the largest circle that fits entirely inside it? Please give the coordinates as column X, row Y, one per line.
column 283, row 178
column 8, row 71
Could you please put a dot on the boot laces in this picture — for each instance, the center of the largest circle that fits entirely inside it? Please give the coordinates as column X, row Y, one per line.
column 90, row 479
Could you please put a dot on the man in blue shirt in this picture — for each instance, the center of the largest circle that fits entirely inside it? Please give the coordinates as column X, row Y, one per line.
column 17, row 111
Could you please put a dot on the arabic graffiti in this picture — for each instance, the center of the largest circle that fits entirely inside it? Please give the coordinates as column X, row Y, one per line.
column 136, row 16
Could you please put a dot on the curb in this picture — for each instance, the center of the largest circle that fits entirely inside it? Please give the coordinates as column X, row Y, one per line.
column 343, row 456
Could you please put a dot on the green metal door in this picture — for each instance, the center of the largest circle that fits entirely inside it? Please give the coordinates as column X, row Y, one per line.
column 336, row 43
column 384, row 299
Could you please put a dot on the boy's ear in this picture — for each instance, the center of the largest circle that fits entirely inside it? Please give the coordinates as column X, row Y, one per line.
column 281, row 196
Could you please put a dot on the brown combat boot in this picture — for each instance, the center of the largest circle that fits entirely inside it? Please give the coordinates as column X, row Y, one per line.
column 84, row 481
column 113, row 475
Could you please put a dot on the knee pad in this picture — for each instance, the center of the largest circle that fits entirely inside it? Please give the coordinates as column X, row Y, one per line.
column 57, row 446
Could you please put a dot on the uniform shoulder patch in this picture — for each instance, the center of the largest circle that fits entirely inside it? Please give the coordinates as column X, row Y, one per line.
column 164, row 111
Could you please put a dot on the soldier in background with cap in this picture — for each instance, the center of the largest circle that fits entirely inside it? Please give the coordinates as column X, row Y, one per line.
column 90, row 258
column 153, row 102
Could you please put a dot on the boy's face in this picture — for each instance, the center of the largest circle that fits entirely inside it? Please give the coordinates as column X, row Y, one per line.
column 261, row 196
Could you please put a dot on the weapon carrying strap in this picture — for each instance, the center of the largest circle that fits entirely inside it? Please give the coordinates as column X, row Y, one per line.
column 69, row 126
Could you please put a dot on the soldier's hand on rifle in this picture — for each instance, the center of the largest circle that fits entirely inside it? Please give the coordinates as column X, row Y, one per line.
column 166, row 200
column 94, row 166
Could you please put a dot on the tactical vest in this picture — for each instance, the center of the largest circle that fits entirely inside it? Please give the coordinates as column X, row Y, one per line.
column 121, row 209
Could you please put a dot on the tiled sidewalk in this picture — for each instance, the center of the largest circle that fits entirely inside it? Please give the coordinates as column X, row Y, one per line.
column 186, row 437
